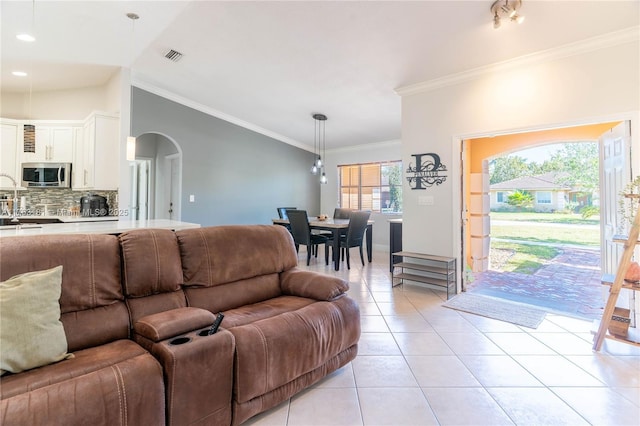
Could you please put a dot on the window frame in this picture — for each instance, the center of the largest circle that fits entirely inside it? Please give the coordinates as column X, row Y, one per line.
column 545, row 202
column 376, row 192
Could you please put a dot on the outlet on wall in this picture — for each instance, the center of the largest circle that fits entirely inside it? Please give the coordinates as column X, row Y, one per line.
column 192, row 198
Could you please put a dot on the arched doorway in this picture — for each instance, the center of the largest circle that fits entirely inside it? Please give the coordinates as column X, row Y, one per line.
column 156, row 178
column 476, row 195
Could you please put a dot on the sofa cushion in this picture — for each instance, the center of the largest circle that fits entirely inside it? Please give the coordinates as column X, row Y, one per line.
column 84, row 361
column 272, row 352
column 151, row 262
column 233, row 295
column 298, row 282
column 116, row 384
column 152, row 272
column 31, row 334
column 91, row 289
column 222, row 254
column 248, row 314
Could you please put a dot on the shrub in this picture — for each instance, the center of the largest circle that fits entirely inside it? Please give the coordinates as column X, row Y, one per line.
column 588, row 211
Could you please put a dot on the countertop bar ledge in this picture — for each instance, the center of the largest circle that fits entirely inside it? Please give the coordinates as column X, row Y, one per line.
column 107, row 227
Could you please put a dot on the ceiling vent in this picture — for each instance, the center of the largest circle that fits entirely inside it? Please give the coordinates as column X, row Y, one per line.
column 173, row 55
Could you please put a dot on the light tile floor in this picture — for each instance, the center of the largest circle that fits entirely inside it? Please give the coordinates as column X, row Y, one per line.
column 422, row 364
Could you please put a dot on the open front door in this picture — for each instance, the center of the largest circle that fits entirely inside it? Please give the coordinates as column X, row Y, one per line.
column 615, row 173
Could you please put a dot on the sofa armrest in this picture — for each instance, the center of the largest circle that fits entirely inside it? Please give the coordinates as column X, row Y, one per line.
column 296, row 282
column 167, row 324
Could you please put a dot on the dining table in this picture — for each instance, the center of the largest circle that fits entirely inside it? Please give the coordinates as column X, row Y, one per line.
column 337, row 227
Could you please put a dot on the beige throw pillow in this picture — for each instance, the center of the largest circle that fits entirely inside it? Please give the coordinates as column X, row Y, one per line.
column 31, row 334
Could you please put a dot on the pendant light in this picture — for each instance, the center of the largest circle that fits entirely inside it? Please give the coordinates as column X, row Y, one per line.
column 314, row 166
column 320, row 124
column 318, row 136
column 131, row 140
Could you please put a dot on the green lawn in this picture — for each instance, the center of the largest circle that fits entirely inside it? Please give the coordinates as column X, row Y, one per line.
column 567, row 218
column 527, row 259
column 542, row 234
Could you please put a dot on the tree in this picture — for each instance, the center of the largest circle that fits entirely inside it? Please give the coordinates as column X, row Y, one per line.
column 510, row 167
column 579, row 161
column 520, row 199
column 394, row 173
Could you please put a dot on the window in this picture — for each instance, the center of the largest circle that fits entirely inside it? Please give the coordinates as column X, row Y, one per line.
column 373, row 186
column 543, row 197
column 501, row 197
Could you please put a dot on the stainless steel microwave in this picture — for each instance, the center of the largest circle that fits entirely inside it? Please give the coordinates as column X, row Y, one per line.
column 46, row 175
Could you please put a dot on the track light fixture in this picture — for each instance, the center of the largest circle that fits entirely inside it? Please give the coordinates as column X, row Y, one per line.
column 506, row 9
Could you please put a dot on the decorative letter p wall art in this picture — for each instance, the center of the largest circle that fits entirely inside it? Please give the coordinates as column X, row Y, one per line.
column 427, row 172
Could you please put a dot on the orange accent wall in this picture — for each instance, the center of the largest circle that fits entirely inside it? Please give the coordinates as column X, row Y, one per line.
column 479, row 149
column 485, row 148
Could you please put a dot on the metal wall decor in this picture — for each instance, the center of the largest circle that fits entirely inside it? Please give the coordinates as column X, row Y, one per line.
column 427, row 172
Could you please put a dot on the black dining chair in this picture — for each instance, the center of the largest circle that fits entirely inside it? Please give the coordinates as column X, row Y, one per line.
column 282, row 211
column 301, row 232
column 358, row 221
column 342, row 213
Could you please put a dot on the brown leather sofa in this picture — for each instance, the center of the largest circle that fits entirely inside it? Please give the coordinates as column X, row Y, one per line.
column 284, row 328
column 111, row 380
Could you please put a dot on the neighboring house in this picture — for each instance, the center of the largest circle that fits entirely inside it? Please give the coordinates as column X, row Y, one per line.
column 548, row 194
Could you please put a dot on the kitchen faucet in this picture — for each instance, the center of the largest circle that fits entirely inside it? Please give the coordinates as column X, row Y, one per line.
column 14, row 219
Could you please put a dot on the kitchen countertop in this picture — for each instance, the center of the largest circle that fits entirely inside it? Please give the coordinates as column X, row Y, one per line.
column 68, row 219
column 94, row 227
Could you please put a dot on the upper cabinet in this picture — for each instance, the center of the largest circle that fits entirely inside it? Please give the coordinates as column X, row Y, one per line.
column 91, row 146
column 9, row 164
column 53, row 144
column 101, row 150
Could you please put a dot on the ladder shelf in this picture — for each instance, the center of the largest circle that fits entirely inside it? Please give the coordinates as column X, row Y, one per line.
column 601, row 328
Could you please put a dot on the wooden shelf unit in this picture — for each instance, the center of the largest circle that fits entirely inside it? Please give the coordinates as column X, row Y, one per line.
column 428, row 269
column 616, row 284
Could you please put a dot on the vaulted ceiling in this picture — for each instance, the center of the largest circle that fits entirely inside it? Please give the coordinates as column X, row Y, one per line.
column 271, row 65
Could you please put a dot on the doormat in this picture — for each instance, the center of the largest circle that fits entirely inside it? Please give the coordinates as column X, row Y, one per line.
column 500, row 309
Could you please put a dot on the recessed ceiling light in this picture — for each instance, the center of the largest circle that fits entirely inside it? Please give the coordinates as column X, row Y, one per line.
column 19, row 73
column 26, row 37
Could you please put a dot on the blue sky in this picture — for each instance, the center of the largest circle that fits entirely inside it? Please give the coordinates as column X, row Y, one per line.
column 539, row 153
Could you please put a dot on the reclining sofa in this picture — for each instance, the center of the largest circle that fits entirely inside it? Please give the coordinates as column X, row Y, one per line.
column 137, row 309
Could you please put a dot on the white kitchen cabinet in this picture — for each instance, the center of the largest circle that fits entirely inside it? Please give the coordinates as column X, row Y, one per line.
column 53, row 144
column 10, row 139
column 83, row 157
column 100, row 152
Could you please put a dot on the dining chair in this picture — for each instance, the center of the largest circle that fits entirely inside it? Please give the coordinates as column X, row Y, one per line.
column 301, row 232
column 282, row 211
column 342, row 213
column 358, row 221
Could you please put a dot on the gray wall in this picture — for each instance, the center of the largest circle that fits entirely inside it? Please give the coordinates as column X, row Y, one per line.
column 237, row 176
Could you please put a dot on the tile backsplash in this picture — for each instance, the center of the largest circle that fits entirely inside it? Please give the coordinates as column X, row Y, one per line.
column 59, row 201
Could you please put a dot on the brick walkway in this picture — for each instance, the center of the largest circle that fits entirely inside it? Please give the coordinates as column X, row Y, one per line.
column 569, row 284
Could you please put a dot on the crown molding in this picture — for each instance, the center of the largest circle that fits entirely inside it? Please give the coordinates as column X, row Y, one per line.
column 373, row 145
column 141, row 84
column 628, row 35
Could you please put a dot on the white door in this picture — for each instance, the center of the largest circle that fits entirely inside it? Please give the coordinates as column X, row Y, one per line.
column 172, row 186
column 133, row 174
column 615, row 158
column 143, row 189
column 140, row 189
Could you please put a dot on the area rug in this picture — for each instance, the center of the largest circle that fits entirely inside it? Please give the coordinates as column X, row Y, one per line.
column 500, row 309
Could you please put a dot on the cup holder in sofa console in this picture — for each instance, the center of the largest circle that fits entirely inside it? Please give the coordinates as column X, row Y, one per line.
column 204, row 332
column 179, row 341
